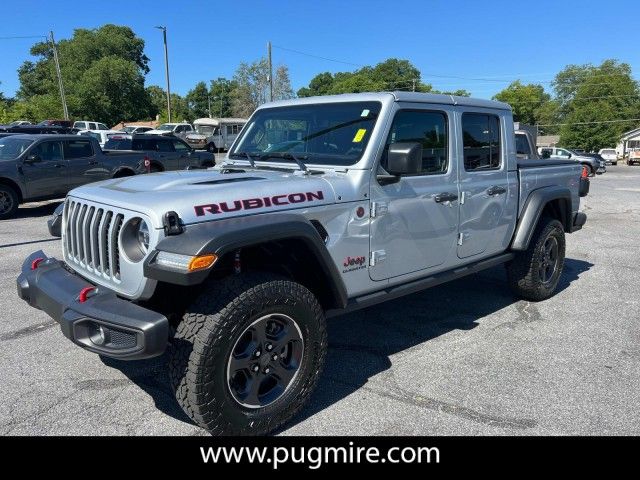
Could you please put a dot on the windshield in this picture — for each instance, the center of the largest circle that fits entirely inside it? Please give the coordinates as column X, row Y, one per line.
column 166, row 126
column 608, row 151
column 128, row 129
column 206, row 129
column 11, row 147
column 327, row 133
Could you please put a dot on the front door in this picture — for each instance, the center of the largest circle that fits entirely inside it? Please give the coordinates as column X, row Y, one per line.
column 484, row 186
column 44, row 170
column 415, row 220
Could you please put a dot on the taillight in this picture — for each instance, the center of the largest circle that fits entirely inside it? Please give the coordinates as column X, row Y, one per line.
column 585, row 172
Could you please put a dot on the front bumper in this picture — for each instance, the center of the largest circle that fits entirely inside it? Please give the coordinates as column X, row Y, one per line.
column 103, row 324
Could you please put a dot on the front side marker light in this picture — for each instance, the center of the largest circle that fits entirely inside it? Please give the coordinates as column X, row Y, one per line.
column 185, row 263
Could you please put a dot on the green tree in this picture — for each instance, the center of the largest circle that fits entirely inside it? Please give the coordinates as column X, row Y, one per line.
column 392, row 74
column 592, row 100
column 252, row 90
column 222, row 93
column 88, row 51
column 525, row 100
column 198, row 100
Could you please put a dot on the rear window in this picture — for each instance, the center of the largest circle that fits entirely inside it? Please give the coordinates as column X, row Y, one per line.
column 118, row 144
column 77, row 149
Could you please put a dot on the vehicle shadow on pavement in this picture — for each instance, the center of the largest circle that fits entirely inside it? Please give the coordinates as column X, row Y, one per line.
column 151, row 376
column 38, row 210
column 361, row 343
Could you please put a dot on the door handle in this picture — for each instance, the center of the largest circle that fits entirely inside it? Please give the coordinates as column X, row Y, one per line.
column 496, row 190
column 59, row 165
column 445, row 197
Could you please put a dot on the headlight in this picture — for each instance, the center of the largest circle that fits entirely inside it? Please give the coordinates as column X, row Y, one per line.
column 135, row 239
column 143, row 236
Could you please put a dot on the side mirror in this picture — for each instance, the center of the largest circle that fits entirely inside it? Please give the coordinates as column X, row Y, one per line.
column 569, row 156
column 546, row 154
column 33, row 158
column 404, row 158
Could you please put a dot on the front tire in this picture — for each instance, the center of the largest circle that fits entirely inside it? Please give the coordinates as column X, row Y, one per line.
column 534, row 273
column 248, row 353
column 9, row 202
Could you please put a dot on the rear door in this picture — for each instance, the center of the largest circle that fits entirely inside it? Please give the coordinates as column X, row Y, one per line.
column 414, row 228
column 45, row 175
column 167, row 154
column 484, row 184
column 183, row 154
column 83, row 163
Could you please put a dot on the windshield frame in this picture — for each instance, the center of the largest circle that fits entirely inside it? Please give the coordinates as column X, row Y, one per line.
column 309, row 158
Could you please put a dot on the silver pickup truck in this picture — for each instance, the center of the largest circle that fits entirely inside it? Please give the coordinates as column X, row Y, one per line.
column 323, row 206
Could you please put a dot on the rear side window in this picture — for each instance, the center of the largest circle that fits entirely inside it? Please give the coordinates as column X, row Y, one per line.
column 80, row 125
column 522, row 145
column 118, row 144
column 164, row 145
column 481, row 141
column 424, row 127
column 77, row 149
column 102, row 126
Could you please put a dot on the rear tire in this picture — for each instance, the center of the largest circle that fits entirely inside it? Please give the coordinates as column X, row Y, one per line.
column 9, row 201
column 229, row 326
column 534, row 273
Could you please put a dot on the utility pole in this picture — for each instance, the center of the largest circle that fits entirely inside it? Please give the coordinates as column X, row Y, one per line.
column 414, row 85
column 65, row 111
column 209, row 102
column 270, row 72
column 166, row 67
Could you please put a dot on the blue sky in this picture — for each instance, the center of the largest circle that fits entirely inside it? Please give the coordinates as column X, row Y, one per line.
column 477, row 45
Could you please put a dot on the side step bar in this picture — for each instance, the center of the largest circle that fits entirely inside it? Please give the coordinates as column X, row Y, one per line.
column 414, row 286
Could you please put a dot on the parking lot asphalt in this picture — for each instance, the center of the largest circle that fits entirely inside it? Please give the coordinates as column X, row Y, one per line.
column 465, row 358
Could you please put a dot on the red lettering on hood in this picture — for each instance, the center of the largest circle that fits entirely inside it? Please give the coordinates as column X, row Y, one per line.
column 251, row 203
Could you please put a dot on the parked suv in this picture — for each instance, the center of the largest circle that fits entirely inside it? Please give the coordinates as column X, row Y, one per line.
column 595, row 165
column 325, row 205
column 177, row 129
column 89, row 125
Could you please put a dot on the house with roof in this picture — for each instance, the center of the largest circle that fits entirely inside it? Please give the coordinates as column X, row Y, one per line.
column 628, row 141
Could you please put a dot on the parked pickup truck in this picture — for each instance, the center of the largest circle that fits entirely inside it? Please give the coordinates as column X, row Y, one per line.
column 324, row 206
column 40, row 167
column 163, row 152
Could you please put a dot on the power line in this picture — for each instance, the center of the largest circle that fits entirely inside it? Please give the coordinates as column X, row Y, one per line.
column 587, row 123
column 15, row 37
column 317, row 56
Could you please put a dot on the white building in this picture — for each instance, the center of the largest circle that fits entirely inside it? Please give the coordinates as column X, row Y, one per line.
column 629, row 140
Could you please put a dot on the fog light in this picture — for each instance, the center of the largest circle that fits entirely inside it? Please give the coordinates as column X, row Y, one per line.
column 97, row 334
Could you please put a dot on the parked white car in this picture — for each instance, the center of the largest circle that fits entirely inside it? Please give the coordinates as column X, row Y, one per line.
column 102, row 136
column 134, row 129
column 178, row 129
column 89, row 125
column 609, row 155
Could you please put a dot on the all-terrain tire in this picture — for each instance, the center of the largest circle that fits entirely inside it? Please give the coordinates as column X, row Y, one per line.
column 205, row 339
column 9, row 201
column 524, row 272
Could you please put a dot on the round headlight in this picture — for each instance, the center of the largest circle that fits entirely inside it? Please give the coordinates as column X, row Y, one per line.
column 143, row 236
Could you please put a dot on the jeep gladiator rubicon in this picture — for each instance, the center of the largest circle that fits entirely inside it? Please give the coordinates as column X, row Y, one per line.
column 324, row 205
column 42, row 167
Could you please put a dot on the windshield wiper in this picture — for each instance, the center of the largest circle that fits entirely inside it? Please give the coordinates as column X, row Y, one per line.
column 287, row 156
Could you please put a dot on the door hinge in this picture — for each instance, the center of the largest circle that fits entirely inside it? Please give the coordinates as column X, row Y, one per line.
column 377, row 257
column 379, row 208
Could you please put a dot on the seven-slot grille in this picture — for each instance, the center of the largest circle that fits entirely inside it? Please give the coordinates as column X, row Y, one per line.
column 92, row 238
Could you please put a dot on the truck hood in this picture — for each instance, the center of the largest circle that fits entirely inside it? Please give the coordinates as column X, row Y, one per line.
column 205, row 195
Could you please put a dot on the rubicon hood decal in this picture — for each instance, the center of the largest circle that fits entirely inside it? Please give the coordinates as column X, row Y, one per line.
column 256, row 202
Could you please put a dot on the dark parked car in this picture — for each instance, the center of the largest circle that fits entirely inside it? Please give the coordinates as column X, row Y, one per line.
column 57, row 123
column 164, row 152
column 40, row 129
column 41, row 167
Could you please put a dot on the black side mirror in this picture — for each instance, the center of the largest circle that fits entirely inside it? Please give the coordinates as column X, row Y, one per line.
column 404, row 158
column 33, row 158
column 570, row 156
column 546, row 154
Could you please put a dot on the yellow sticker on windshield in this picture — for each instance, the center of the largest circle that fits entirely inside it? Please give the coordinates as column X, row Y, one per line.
column 359, row 135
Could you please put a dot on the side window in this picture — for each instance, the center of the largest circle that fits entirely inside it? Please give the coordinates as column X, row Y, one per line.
column 424, row 127
column 92, row 126
column 481, row 140
column 546, row 152
column 81, row 125
column 180, row 146
column 77, row 149
column 48, row 151
column 164, row 145
column 561, row 152
column 102, row 126
column 522, row 145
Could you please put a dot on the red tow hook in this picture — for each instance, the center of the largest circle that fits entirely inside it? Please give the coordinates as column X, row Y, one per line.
column 85, row 293
column 36, row 262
